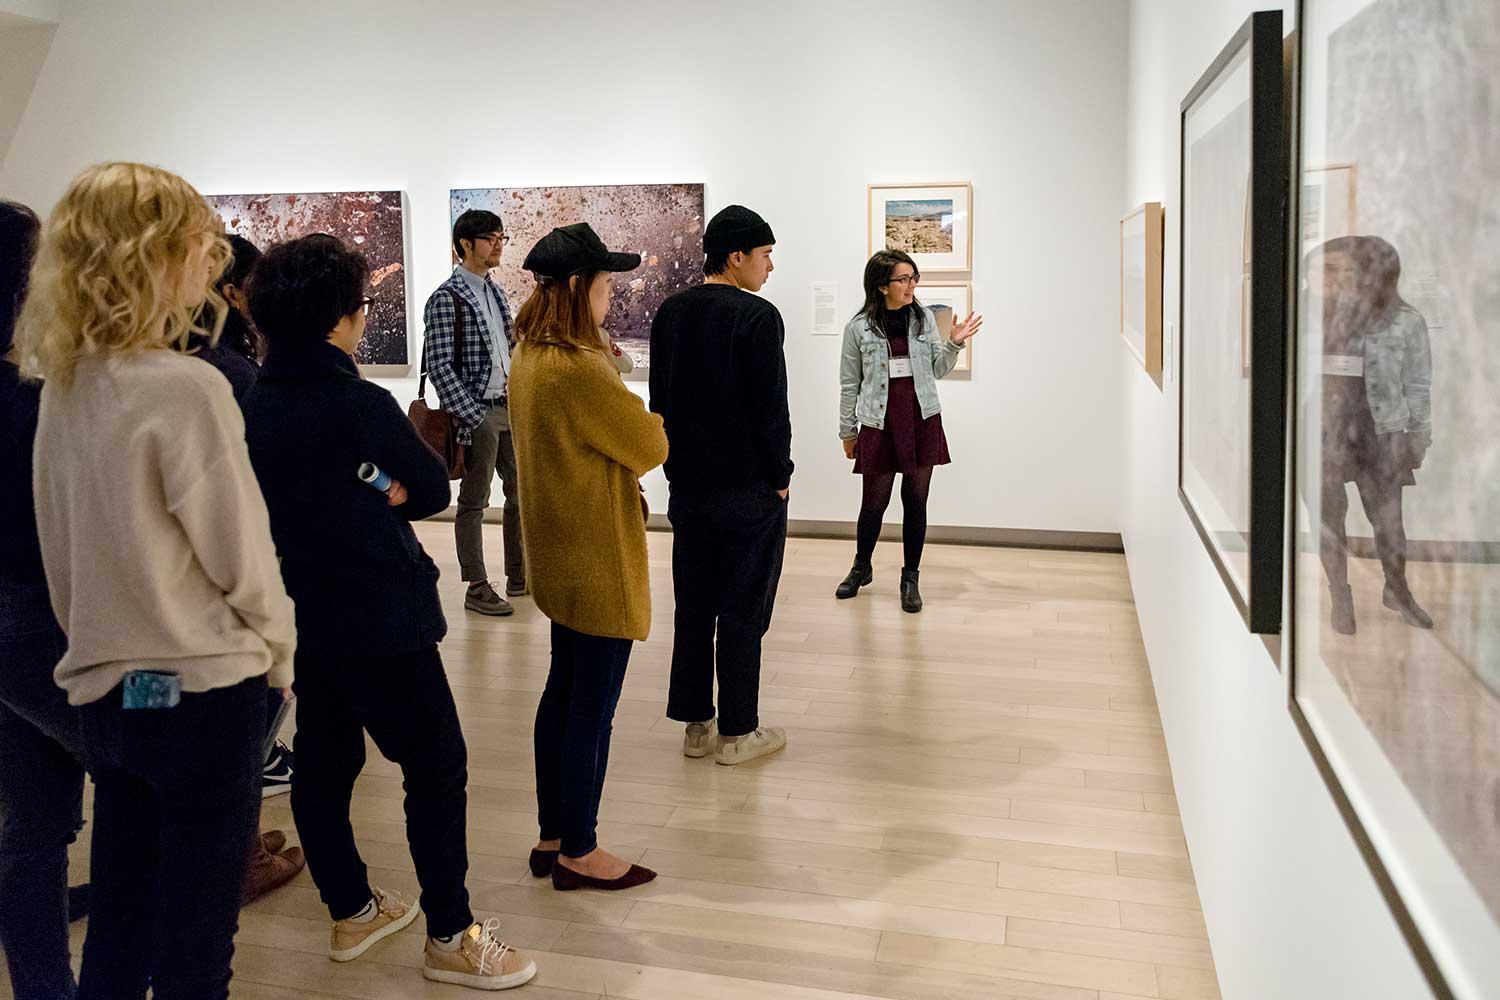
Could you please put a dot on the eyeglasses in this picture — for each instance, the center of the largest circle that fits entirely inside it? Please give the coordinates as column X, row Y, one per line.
column 907, row 279
column 500, row 238
column 366, row 304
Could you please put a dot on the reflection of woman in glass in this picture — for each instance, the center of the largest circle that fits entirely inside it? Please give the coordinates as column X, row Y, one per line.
column 1376, row 414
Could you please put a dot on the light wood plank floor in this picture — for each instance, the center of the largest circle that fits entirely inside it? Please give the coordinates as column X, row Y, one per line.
column 975, row 804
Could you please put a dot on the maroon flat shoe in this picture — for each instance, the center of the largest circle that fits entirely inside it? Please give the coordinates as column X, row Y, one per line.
column 542, row 862
column 566, row 879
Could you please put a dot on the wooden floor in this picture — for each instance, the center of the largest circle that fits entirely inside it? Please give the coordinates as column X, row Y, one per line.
column 975, row 804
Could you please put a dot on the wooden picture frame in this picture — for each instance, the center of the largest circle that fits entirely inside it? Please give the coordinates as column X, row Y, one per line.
column 934, row 223
column 1141, row 261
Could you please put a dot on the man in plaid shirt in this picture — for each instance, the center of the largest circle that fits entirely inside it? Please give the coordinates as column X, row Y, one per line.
column 474, row 389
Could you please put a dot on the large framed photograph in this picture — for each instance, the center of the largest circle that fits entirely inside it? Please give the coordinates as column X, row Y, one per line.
column 1233, row 223
column 1140, row 286
column 661, row 222
column 951, row 302
column 934, row 223
column 1395, row 604
column 372, row 222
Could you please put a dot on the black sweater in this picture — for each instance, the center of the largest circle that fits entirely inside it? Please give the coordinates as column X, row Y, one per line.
column 718, row 378
column 352, row 564
column 20, row 554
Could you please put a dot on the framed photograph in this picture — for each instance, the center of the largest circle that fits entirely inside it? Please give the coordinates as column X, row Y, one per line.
column 661, row 222
column 950, row 302
column 372, row 222
column 1329, row 203
column 1395, row 603
column 1140, row 286
column 1233, row 223
column 932, row 222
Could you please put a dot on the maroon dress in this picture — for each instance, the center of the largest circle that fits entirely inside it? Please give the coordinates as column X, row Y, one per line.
column 907, row 442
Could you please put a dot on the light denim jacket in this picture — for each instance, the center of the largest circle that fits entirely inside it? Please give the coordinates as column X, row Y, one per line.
column 864, row 367
column 1398, row 374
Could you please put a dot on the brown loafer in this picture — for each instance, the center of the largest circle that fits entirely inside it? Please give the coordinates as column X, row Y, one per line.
column 566, row 879
column 543, row 862
column 273, row 841
column 269, row 871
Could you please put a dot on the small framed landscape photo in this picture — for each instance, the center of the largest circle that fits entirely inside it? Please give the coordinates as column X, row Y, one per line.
column 934, row 223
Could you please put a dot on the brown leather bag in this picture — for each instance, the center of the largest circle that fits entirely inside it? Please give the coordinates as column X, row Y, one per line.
column 438, row 427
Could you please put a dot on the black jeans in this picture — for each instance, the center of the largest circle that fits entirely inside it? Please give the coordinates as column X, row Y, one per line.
column 727, row 550
column 41, row 797
column 406, row 706
column 574, row 721
column 174, row 791
column 1382, row 501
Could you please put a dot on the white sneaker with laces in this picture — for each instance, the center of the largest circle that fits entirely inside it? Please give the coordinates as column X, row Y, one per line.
column 739, row 749
column 701, row 738
column 352, row 938
column 482, row 961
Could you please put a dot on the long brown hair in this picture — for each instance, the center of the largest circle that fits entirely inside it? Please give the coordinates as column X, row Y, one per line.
column 558, row 312
column 878, row 273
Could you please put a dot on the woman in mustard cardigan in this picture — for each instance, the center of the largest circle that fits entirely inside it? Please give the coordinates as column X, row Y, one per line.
column 583, row 441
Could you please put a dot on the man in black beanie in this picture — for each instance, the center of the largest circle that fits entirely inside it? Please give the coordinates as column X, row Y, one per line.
column 718, row 378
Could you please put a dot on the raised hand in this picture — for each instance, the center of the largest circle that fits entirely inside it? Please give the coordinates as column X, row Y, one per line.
column 970, row 326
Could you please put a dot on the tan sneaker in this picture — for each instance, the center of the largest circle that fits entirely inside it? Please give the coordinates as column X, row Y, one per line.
column 482, row 961
column 738, row 749
column 352, row 939
column 701, row 738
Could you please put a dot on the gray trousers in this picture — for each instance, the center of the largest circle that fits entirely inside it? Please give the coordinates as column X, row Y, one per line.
column 491, row 452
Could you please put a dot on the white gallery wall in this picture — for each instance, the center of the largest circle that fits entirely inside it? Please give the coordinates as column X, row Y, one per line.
column 788, row 107
column 1292, row 911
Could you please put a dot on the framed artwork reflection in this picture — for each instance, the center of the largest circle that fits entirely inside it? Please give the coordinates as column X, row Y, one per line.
column 1395, row 574
column 949, row 300
column 1233, row 226
column 934, row 223
column 372, row 222
column 1140, row 286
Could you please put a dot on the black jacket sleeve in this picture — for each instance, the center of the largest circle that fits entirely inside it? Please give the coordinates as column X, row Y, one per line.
column 401, row 453
column 767, row 398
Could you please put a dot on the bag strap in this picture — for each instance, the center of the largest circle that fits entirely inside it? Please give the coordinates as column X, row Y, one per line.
column 458, row 346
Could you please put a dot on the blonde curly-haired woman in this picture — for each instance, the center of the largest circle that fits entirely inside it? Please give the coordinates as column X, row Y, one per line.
column 161, row 570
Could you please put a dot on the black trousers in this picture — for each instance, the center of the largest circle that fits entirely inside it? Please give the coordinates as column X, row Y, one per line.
column 174, row 791
column 1382, row 502
column 406, row 706
column 727, row 551
column 41, row 797
column 574, row 722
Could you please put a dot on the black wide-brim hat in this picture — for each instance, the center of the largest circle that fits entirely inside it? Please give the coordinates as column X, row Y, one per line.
column 570, row 250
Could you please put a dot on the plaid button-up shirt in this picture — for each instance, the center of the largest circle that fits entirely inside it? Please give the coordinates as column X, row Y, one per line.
column 461, row 392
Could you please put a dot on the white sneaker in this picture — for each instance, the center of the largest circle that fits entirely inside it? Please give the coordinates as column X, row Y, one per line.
column 351, row 939
column 701, row 738
column 482, row 961
column 738, row 749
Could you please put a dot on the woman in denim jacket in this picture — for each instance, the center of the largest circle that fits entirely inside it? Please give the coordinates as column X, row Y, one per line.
column 889, row 417
column 1376, row 414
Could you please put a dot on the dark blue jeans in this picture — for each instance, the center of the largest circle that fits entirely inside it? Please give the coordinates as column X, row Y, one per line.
column 574, row 722
column 175, row 790
column 41, row 797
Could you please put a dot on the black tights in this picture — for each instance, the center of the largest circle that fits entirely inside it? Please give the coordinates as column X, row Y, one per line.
column 877, row 497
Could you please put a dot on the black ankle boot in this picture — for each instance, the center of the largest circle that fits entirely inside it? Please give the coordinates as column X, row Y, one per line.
column 1399, row 599
column 911, row 597
column 860, row 576
column 1342, row 613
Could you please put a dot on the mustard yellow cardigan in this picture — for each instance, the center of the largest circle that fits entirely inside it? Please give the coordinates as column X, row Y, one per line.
column 582, row 443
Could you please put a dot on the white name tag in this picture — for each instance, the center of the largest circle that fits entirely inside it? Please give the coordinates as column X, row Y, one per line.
column 901, row 368
column 1344, row 364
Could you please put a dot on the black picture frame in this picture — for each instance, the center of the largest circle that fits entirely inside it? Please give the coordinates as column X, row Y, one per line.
column 1260, row 39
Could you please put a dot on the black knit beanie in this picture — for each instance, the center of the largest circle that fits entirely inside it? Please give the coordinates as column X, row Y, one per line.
column 736, row 229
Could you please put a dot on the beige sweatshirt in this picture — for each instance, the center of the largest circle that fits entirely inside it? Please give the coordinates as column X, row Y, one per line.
column 154, row 534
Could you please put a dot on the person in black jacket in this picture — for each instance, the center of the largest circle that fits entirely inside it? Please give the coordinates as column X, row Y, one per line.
column 368, row 617
column 718, row 378
column 41, row 779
